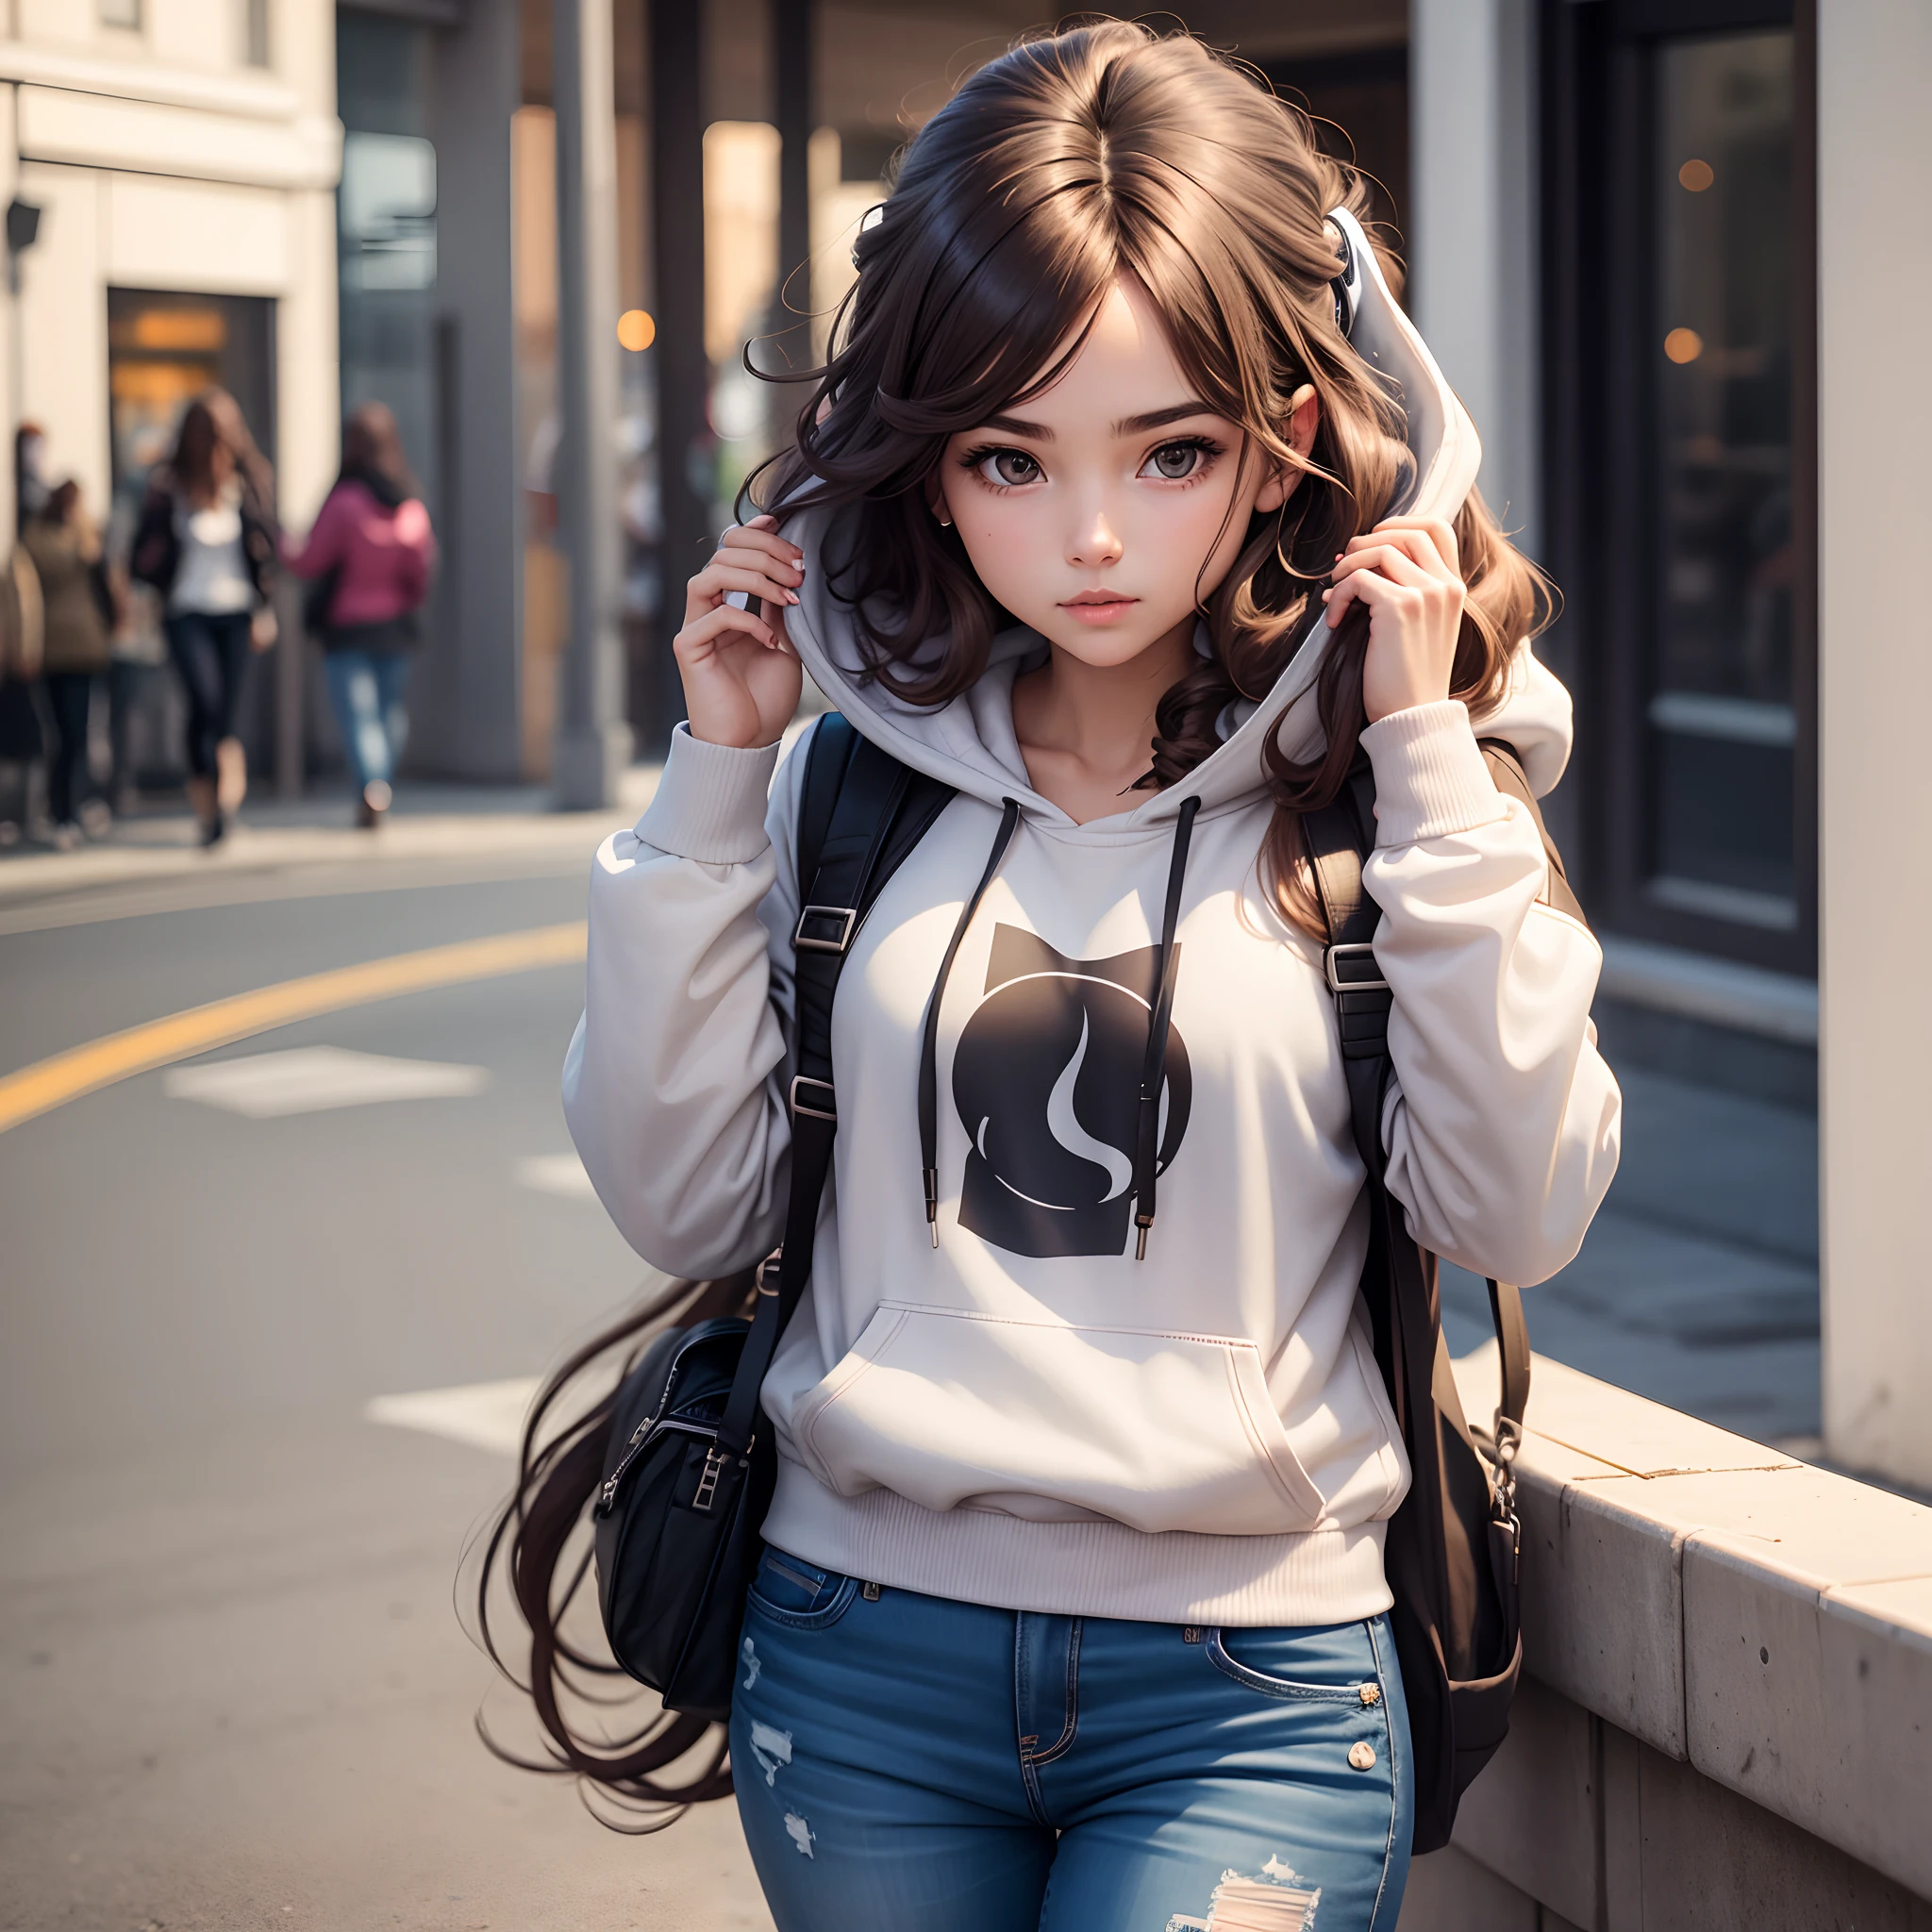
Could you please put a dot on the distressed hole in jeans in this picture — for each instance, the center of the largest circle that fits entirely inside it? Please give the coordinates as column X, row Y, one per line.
column 751, row 1663
column 771, row 1748
column 799, row 1832
column 1277, row 1901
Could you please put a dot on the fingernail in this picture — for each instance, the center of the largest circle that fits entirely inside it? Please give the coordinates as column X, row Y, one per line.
column 791, row 596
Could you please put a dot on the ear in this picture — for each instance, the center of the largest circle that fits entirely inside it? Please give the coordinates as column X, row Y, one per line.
column 1303, row 416
column 936, row 499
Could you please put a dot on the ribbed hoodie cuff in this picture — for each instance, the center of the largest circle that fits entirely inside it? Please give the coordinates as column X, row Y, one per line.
column 710, row 802
column 1431, row 778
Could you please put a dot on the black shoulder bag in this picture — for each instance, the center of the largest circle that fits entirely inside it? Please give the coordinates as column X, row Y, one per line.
column 1453, row 1545
column 689, row 1471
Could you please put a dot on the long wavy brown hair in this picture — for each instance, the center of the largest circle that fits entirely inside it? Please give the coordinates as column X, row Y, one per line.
column 639, row 1766
column 1079, row 156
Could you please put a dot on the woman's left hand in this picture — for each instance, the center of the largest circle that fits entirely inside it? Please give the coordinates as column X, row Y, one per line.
column 262, row 628
column 1406, row 572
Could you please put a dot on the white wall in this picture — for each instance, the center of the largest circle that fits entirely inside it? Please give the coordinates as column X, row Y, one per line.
column 1473, row 258
column 175, row 166
column 1874, row 183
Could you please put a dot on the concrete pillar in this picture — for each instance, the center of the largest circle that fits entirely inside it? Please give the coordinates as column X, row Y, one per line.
column 592, row 740
column 1874, row 657
column 466, row 709
column 684, row 374
column 1472, row 286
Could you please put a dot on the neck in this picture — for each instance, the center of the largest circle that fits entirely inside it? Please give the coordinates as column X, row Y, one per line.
column 1095, row 722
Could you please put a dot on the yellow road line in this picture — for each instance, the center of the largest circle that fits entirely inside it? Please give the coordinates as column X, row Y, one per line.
column 65, row 1076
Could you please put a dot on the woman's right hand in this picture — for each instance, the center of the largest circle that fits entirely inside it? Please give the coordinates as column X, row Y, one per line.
column 742, row 678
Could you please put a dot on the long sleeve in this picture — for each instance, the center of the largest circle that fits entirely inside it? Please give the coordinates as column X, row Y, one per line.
column 673, row 1085
column 326, row 536
column 1503, row 1130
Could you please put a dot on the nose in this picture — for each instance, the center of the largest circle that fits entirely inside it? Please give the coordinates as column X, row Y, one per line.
column 1094, row 546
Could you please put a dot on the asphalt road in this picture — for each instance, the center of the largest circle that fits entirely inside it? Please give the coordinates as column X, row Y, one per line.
column 233, row 1689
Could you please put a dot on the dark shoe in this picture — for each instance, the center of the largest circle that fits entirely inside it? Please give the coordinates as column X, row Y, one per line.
column 215, row 829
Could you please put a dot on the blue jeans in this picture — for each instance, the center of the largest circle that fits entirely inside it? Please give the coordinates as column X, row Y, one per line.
column 368, row 690
column 912, row 1761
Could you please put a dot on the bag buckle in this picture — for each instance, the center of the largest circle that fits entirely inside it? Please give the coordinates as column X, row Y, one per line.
column 846, row 918
column 707, row 1482
column 1370, row 981
column 828, row 1111
column 765, row 1277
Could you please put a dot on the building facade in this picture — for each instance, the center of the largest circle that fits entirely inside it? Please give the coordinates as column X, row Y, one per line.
column 173, row 166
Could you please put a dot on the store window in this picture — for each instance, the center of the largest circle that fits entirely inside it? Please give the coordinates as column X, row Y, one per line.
column 386, row 231
column 1682, row 360
column 1722, row 730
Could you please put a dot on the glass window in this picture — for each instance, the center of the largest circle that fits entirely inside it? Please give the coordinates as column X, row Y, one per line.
column 119, row 12
column 1721, row 726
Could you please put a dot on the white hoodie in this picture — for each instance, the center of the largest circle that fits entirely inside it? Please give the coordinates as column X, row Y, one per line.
column 1026, row 1415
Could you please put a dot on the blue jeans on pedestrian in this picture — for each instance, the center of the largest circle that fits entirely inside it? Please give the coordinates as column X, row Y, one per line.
column 905, row 1761
column 368, row 690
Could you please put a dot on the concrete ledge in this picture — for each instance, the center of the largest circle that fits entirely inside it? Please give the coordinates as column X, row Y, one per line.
column 1718, row 991
column 1714, row 1604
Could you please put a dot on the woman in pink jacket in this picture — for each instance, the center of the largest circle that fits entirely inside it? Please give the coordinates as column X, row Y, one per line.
column 370, row 555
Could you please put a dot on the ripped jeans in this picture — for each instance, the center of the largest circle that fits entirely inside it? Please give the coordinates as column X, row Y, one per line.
column 905, row 1761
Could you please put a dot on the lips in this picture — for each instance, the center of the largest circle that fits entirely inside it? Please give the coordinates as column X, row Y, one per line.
column 1099, row 607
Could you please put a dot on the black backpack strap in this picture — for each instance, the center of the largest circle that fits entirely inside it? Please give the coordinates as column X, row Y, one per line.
column 1339, row 838
column 861, row 813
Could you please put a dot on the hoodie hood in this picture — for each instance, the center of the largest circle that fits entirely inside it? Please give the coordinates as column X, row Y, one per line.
column 969, row 743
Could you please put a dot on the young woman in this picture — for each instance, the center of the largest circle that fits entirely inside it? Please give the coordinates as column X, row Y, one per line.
column 371, row 554
column 207, row 542
column 1072, row 1609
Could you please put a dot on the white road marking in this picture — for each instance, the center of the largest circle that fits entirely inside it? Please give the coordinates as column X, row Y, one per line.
column 557, row 1174
column 485, row 1415
column 308, row 1079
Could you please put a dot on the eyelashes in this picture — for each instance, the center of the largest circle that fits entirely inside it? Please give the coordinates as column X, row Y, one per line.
column 1180, row 461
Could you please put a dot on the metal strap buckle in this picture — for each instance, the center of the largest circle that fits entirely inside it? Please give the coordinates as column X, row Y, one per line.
column 847, row 917
column 765, row 1277
column 1355, row 949
column 830, row 1111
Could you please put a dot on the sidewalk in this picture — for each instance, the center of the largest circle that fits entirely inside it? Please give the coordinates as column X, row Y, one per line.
column 154, row 859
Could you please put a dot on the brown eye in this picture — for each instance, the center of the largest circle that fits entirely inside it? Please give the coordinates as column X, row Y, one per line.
column 1173, row 461
column 1008, row 468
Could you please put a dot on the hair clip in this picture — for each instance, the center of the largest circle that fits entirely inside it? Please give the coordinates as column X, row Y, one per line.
column 1347, row 285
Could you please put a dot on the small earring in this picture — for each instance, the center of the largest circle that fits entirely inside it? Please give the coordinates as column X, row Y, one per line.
column 946, row 522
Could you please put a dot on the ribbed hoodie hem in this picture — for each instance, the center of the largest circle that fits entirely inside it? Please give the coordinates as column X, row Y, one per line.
column 710, row 805
column 1431, row 777
column 1081, row 1569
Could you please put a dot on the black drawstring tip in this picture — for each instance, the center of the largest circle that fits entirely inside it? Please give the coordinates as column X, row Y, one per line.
column 931, row 1177
column 1141, row 1244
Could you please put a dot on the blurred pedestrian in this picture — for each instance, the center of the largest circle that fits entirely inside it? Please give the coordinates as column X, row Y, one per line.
column 23, row 731
column 368, row 561
column 78, row 625
column 30, row 475
column 207, row 542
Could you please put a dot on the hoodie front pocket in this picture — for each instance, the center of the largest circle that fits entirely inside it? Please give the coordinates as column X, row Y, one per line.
column 1157, row 1430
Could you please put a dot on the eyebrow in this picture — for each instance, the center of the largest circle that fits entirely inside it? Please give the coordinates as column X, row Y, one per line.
column 1127, row 425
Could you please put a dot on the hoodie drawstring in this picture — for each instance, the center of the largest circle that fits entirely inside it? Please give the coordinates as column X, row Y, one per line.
column 1154, row 1069
column 928, row 1057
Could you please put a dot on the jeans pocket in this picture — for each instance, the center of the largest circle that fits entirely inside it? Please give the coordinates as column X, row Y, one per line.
column 1273, row 1654
column 799, row 1594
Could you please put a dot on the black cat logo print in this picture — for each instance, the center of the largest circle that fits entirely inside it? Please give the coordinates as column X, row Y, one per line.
column 1047, row 1082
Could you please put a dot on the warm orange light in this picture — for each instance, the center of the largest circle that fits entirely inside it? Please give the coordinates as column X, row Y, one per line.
column 635, row 330
column 178, row 330
column 1683, row 346
column 1696, row 175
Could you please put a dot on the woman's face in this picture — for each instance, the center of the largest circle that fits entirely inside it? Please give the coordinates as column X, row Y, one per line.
column 1090, row 511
